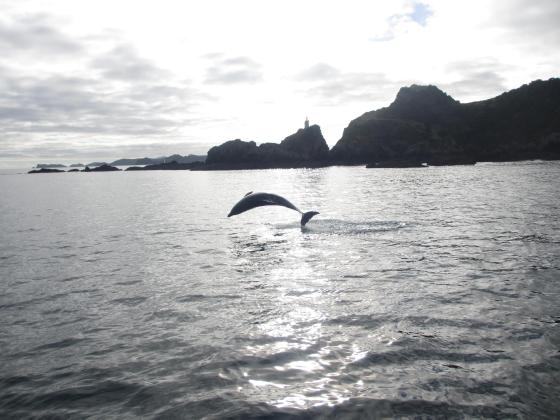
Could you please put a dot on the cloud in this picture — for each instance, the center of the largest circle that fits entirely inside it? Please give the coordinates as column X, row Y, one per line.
column 80, row 105
column 470, row 80
column 528, row 21
column 233, row 70
column 476, row 78
column 107, row 150
column 91, row 93
column 475, row 85
column 319, row 72
column 35, row 33
column 330, row 86
column 124, row 63
column 416, row 14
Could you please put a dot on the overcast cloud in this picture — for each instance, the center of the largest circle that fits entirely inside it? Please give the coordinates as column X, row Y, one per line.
column 233, row 70
column 331, row 86
column 105, row 79
column 34, row 32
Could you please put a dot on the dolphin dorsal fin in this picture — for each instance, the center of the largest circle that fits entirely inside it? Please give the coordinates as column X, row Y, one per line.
column 250, row 192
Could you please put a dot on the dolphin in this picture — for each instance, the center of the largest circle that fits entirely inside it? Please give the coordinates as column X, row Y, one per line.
column 258, row 199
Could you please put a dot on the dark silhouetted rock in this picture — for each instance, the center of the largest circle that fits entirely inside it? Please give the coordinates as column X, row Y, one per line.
column 73, row 170
column 425, row 124
column 44, row 171
column 306, row 148
column 233, row 152
column 307, row 144
column 426, row 104
column 102, row 168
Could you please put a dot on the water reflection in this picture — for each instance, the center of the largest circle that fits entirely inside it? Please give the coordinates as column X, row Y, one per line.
column 300, row 364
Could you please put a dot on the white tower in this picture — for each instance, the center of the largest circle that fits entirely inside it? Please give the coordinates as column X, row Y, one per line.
column 306, row 122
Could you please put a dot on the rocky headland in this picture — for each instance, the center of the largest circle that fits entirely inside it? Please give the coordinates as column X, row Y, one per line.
column 424, row 124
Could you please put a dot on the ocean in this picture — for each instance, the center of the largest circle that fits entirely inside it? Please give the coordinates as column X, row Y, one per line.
column 415, row 293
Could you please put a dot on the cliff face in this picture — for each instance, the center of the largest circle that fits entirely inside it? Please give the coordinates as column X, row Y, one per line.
column 305, row 146
column 425, row 123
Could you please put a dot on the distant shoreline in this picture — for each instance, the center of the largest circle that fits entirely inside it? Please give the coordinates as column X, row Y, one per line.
column 309, row 165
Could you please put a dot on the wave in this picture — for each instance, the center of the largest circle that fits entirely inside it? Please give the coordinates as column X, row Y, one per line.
column 345, row 227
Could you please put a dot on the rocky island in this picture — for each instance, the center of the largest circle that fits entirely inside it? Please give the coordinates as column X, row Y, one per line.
column 305, row 148
column 45, row 171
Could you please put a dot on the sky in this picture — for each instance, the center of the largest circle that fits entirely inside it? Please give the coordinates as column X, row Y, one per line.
column 100, row 80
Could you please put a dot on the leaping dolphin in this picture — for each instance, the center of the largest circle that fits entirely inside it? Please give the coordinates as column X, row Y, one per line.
column 252, row 200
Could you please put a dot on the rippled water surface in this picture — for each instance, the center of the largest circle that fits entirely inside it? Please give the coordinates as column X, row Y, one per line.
column 416, row 292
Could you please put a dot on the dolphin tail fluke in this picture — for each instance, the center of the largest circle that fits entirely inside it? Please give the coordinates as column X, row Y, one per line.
column 306, row 217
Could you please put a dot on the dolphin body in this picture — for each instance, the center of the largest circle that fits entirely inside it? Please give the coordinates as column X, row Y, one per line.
column 252, row 200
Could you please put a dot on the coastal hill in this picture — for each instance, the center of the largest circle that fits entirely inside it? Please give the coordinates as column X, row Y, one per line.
column 306, row 147
column 425, row 124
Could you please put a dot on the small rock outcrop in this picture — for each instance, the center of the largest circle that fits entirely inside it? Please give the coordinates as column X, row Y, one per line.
column 306, row 147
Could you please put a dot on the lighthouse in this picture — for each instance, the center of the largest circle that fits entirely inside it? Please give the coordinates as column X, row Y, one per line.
column 306, row 124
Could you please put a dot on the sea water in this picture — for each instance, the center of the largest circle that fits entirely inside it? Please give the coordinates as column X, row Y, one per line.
column 429, row 292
